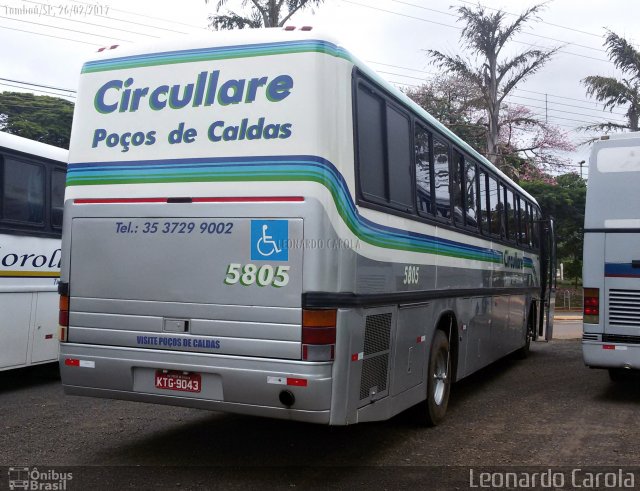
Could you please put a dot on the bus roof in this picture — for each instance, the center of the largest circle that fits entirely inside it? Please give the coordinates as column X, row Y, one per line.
column 284, row 35
column 620, row 136
column 32, row 147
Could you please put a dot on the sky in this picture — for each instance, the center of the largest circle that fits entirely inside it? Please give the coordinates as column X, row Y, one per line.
column 45, row 42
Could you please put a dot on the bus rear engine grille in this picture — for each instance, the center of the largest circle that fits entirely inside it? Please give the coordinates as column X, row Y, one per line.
column 624, row 307
column 375, row 366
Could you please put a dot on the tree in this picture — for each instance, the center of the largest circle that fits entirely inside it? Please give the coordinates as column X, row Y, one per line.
column 263, row 13
column 613, row 92
column 485, row 36
column 528, row 145
column 456, row 103
column 564, row 200
column 41, row 118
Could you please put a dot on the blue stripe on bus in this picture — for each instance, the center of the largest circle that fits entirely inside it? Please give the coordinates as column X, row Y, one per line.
column 621, row 270
column 274, row 166
column 217, row 52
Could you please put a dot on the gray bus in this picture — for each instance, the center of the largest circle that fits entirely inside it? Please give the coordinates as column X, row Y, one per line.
column 255, row 222
column 611, row 276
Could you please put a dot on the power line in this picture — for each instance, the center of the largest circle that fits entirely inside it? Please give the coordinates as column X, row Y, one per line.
column 567, row 105
column 49, row 35
column 522, row 32
column 401, row 67
column 557, row 96
column 36, row 90
column 516, row 89
column 458, row 28
column 64, row 29
column 570, row 119
column 564, row 112
column 395, row 66
column 84, row 22
column 383, row 10
column 542, row 22
column 401, row 75
column 146, row 16
column 37, row 85
column 541, row 116
column 403, row 15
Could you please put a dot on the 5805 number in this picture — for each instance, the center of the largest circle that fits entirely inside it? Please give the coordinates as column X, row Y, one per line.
column 250, row 274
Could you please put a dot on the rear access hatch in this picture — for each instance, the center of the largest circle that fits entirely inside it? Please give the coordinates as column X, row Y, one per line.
column 190, row 284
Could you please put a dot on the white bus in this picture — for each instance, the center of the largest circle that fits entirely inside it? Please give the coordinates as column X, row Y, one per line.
column 32, row 181
column 256, row 222
column 611, row 267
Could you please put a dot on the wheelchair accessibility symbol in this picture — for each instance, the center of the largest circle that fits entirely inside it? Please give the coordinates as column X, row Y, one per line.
column 269, row 240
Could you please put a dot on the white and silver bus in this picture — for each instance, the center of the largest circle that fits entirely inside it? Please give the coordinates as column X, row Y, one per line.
column 611, row 266
column 256, row 222
column 32, row 181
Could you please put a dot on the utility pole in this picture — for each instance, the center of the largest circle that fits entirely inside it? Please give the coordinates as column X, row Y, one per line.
column 546, row 111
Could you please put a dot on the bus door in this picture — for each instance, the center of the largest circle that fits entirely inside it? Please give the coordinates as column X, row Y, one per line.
column 622, row 284
column 547, row 277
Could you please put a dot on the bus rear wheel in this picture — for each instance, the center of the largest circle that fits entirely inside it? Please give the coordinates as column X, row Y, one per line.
column 619, row 374
column 523, row 352
column 438, row 381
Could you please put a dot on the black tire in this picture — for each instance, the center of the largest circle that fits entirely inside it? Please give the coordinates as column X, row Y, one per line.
column 618, row 374
column 438, row 380
column 523, row 352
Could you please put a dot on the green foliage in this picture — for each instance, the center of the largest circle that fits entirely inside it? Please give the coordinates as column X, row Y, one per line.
column 258, row 13
column 618, row 93
column 41, row 118
column 564, row 201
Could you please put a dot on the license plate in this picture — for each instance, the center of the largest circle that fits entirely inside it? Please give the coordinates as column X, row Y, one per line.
column 182, row 381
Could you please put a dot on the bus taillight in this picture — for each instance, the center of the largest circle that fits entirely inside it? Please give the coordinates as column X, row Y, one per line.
column 63, row 317
column 591, row 311
column 318, row 335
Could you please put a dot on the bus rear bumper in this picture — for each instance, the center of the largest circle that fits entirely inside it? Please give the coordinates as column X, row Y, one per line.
column 232, row 384
column 609, row 355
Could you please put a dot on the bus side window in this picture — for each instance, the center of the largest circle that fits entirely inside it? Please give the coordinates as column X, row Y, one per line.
column 536, row 228
column 495, row 208
column 23, row 192
column 470, row 195
column 58, row 178
column 457, row 172
column 423, row 172
column 441, row 178
column 484, row 210
column 512, row 223
column 524, row 222
column 399, row 159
